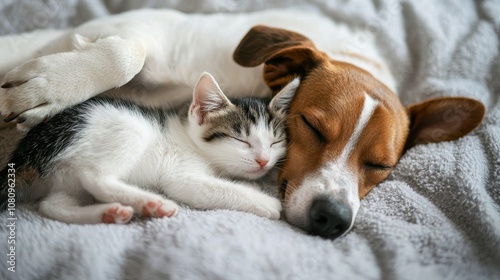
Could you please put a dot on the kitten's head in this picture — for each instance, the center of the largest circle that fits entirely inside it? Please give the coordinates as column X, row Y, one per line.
column 242, row 138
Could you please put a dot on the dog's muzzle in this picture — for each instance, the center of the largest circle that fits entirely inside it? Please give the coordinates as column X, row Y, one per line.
column 329, row 218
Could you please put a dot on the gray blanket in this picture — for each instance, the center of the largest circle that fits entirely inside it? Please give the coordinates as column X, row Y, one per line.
column 436, row 217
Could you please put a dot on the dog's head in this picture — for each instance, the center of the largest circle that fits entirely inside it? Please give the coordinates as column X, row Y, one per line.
column 346, row 129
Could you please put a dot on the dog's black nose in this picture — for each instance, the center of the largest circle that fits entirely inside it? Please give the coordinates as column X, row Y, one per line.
column 329, row 218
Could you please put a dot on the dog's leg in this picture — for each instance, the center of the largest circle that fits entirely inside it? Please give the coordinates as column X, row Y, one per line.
column 46, row 85
column 110, row 189
column 65, row 208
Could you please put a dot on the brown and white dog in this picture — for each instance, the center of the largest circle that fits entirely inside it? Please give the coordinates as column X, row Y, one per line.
column 347, row 127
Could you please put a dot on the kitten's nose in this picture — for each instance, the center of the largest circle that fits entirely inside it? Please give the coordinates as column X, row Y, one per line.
column 261, row 162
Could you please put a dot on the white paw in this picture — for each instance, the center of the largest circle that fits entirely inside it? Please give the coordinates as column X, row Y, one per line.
column 37, row 90
column 117, row 214
column 159, row 208
column 267, row 207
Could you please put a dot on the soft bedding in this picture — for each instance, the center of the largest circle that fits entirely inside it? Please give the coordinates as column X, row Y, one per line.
column 436, row 217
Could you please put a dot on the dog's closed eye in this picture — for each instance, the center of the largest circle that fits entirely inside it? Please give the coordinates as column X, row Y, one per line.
column 377, row 166
column 317, row 133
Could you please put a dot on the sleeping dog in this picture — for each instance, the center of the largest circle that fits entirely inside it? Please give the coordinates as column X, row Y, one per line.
column 347, row 127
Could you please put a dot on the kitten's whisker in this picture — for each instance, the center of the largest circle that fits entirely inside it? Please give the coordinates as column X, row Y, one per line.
column 253, row 90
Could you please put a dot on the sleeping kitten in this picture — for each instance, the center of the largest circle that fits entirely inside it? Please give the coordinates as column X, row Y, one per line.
column 117, row 153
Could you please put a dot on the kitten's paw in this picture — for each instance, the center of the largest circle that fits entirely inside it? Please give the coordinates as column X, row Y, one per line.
column 118, row 214
column 160, row 208
column 269, row 207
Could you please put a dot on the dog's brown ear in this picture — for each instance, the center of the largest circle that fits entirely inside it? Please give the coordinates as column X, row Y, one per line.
column 443, row 119
column 286, row 54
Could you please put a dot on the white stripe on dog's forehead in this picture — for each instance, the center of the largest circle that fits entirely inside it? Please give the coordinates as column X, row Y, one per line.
column 368, row 108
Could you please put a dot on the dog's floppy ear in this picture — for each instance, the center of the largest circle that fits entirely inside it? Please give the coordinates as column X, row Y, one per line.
column 443, row 119
column 286, row 54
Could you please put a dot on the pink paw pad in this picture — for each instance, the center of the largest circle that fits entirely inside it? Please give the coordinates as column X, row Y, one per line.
column 117, row 215
column 158, row 209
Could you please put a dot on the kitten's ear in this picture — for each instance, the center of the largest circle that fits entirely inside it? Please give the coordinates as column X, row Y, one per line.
column 282, row 100
column 207, row 97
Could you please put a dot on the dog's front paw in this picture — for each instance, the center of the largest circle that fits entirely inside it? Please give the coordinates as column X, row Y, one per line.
column 35, row 91
column 32, row 117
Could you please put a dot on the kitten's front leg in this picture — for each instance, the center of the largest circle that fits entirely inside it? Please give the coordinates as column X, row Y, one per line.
column 215, row 193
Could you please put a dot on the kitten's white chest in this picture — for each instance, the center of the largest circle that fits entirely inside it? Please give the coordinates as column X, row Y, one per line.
column 170, row 154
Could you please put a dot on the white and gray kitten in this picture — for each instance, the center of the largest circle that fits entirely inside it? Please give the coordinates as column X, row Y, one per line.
column 106, row 159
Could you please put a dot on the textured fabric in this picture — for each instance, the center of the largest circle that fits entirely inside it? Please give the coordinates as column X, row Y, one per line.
column 436, row 217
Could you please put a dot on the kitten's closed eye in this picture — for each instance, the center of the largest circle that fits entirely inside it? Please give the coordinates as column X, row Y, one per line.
column 242, row 141
column 276, row 142
column 250, row 145
column 214, row 136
